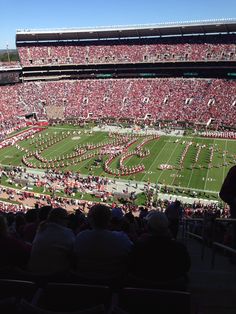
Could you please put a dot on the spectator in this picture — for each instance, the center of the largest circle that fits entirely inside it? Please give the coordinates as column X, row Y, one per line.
column 31, row 225
column 174, row 214
column 16, row 229
column 53, row 244
column 14, row 251
column 156, row 256
column 228, row 195
column 102, row 254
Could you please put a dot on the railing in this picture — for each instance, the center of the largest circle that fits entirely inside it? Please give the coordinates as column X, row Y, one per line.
column 207, row 234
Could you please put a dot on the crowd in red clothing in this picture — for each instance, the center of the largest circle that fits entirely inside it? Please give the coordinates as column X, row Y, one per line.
column 23, row 224
column 191, row 100
column 197, row 48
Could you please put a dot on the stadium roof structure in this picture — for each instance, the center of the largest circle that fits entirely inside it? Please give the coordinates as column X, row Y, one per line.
column 132, row 31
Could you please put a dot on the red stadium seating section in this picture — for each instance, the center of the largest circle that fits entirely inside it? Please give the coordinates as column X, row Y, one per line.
column 192, row 100
column 195, row 48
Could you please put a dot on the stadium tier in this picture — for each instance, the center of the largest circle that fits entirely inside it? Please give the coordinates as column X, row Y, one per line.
column 193, row 100
column 178, row 72
column 180, row 42
column 189, row 48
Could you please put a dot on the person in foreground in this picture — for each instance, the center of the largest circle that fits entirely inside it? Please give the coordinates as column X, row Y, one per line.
column 14, row 252
column 101, row 254
column 52, row 249
column 228, row 195
column 174, row 214
column 156, row 256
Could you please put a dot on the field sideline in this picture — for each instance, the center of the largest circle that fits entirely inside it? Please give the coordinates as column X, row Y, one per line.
column 195, row 172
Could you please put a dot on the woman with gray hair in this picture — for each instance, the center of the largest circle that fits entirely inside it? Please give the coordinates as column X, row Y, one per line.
column 156, row 256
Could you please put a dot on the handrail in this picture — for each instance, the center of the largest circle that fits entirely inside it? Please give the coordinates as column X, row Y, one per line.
column 214, row 244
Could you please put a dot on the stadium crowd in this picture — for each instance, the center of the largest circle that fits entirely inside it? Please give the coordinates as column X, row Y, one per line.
column 120, row 243
column 195, row 48
column 53, row 240
column 191, row 100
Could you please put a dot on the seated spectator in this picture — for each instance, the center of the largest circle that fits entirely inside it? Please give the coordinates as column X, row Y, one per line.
column 35, row 217
column 14, row 251
column 17, row 227
column 123, row 222
column 228, row 195
column 101, row 254
column 156, row 256
column 31, row 225
column 52, row 247
column 174, row 213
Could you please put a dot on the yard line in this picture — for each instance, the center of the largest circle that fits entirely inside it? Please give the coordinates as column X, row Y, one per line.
column 155, row 159
column 208, row 169
column 167, row 160
column 211, row 138
column 49, row 149
column 226, row 142
column 192, row 172
column 172, row 183
column 190, row 178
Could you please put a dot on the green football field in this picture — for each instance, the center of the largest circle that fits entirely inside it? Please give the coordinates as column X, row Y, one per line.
column 57, row 146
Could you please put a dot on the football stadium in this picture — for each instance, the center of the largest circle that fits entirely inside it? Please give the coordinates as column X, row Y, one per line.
column 147, row 104
column 139, row 118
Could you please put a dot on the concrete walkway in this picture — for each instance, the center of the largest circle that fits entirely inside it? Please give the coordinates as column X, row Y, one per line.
column 213, row 290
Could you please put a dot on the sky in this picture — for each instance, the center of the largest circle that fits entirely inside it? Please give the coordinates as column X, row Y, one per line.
column 40, row 14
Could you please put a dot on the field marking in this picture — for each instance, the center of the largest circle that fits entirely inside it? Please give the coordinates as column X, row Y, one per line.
column 178, row 170
column 86, row 161
column 162, row 153
column 55, row 150
column 155, row 160
column 177, row 144
column 192, row 172
column 190, row 178
column 212, row 138
column 223, row 174
column 208, row 169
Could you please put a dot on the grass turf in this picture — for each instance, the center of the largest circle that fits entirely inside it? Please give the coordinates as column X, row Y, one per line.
column 191, row 176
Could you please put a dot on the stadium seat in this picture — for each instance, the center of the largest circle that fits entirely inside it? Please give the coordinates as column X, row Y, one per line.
column 153, row 301
column 73, row 297
column 39, row 279
column 114, row 283
column 8, row 305
column 179, row 284
column 17, row 288
column 12, row 291
column 27, row 308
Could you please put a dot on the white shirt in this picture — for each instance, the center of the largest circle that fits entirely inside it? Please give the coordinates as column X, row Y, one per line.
column 102, row 253
column 52, row 249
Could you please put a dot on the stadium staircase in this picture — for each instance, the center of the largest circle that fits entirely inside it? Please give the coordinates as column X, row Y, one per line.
column 213, row 289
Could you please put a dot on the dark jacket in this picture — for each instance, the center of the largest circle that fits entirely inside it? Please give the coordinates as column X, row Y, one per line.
column 159, row 258
column 228, row 191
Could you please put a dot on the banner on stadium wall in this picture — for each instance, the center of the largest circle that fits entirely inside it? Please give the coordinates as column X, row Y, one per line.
column 42, row 123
